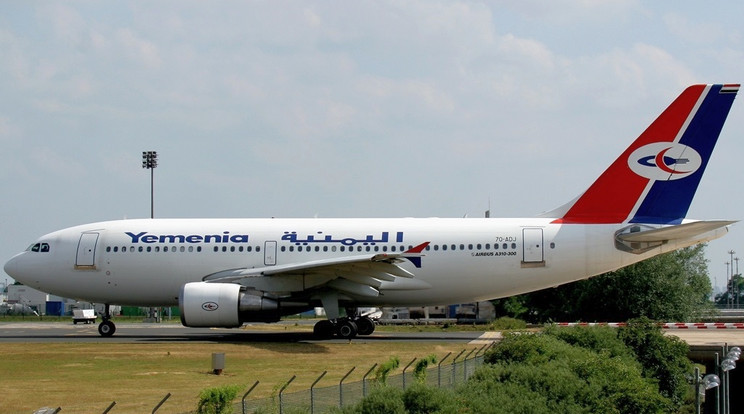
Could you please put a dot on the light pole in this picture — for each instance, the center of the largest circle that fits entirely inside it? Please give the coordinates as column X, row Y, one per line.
column 150, row 161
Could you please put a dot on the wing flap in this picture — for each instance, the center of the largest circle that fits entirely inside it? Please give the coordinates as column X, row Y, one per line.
column 360, row 275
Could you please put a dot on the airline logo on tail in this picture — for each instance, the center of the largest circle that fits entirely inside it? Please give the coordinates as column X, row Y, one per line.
column 665, row 161
column 654, row 180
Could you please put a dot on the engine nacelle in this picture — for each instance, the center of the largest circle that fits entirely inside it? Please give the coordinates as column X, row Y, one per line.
column 219, row 304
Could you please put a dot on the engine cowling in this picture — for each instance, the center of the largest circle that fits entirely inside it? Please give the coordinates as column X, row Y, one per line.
column 220, row 304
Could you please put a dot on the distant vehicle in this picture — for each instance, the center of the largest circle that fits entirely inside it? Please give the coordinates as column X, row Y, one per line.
column 224, row 272
column 83, row 316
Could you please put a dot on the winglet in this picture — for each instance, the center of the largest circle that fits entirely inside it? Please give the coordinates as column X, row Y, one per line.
column 414, row 254
column 655, row 179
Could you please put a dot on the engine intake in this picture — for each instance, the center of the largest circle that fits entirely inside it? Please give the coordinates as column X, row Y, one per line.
column 223, row 305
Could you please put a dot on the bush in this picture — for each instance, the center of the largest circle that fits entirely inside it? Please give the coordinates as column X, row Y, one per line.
column 217, row 400
column 662, row 357
column 382, row 400
column 545, row 373
column 506, row 323
column 385, row 369
column 421, row 399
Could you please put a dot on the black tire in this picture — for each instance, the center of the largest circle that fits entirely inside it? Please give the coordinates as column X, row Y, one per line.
column 365, row 326
column 346, row 329
column 323, row 329
column 106, row 329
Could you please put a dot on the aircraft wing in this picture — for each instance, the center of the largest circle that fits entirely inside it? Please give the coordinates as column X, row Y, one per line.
column 682, row 231
column 359, row 274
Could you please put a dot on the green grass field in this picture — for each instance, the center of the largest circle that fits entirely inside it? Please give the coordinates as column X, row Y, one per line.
column 86, row 378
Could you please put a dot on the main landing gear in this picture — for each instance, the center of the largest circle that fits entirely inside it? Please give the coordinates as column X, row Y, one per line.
column 345, row 328
column 106, row 328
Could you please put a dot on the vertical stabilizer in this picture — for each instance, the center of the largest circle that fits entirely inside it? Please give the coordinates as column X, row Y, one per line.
column 654, row 180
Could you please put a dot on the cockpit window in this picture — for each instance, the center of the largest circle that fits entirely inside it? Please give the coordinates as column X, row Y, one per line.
column 39, row 247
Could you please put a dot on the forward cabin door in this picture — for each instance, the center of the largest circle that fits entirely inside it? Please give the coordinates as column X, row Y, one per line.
column 86, row 251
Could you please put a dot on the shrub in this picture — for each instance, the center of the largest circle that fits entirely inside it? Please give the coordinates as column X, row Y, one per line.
column 419, row 371
column 662, row 357
column 217, row 400
column 382, row 400
column 506, row 323
column 385, row 369
column 421, row 399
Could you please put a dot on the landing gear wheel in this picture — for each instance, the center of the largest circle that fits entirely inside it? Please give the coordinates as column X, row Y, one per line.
column 365, row 326
column 346, row 329
column 106, row 328
column 323, row 329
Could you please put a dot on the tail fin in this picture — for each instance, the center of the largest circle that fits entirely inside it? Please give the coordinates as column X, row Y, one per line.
column 654, row 180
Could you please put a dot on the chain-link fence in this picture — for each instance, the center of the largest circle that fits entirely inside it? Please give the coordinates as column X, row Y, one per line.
column 448, row 373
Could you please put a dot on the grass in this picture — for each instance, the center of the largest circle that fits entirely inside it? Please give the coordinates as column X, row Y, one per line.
column 86, row 378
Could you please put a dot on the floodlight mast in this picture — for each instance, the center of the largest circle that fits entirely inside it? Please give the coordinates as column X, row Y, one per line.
column 150, row 161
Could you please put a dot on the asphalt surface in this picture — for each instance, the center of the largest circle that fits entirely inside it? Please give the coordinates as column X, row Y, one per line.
column 48, row 332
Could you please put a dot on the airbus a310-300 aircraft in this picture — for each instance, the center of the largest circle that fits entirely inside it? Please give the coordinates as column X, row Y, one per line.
column 224, row 272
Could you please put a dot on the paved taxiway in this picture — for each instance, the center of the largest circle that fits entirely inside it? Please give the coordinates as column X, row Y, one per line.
column 47, row 332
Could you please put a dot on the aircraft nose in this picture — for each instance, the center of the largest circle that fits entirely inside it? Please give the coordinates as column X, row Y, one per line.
column 11, row 267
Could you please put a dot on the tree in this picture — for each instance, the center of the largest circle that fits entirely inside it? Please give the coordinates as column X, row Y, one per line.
column 672, row 286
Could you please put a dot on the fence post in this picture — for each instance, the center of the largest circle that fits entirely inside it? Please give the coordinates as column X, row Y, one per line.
column 364, row 380
column 113, row 403
column 281, row 406
column 312, row 396
column 341, row 388
column 242, row 401
column 404, row 372
column 454, row 367
column 439, row 370
column 161, row 403
column 480, row 350
column 465, row 366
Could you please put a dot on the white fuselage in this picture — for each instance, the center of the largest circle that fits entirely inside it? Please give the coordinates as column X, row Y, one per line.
column 146, row 262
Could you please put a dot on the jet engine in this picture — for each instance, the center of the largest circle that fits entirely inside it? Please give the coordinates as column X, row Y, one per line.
column 225, row 305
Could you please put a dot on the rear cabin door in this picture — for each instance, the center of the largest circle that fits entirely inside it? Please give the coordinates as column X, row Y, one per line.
column 86, row 251
column 532, row 246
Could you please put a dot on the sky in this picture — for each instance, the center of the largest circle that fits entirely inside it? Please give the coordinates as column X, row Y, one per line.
column 341, row 109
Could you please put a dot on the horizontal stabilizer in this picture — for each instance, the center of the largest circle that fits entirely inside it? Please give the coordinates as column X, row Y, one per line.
column 681, row 231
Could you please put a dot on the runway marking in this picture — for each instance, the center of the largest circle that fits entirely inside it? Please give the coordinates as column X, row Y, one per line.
column 486, row 338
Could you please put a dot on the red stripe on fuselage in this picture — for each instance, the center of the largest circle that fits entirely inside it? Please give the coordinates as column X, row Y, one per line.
column 615, row 193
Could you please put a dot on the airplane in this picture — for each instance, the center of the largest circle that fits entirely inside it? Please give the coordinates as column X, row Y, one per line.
column 226, row 272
